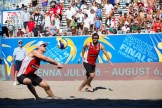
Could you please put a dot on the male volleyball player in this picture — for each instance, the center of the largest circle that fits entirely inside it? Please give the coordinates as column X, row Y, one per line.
column 89, row 63
column 30, row 64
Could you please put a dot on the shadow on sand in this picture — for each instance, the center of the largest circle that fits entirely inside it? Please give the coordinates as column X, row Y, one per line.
column 98, row 88
column 78, row 103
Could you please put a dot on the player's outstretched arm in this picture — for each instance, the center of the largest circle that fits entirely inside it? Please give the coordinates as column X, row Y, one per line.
column 105, row 52
column 47, row 59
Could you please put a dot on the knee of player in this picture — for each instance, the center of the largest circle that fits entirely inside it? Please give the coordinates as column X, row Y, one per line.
column 92, row 75
column 27, row 81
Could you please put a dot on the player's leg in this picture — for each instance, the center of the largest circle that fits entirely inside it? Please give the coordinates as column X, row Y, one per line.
column 28, row 82
column 89, row 74
column 92, row 75
column 18, row 65
column 89, row 86
column 47, row 88
column 82, row 85
column 87, row 81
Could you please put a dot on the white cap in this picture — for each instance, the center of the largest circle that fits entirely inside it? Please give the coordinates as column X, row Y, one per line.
column 19, row 41
column 41, row 43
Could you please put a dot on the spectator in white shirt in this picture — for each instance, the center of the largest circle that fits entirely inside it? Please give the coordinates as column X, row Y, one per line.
column 91, row 17
column 94, row 6
column 80, row 19
column 88, row 10
column 126, row 28
column 25, row 18
column 98, row 1
column 84, row 7
column 47, row 21
column 108, row 7
column 57, row 21
column 68, row 15
column 74, row 9
column 53, row 31
column 86, row 25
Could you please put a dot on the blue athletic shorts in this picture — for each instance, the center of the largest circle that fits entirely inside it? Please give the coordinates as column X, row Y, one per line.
column 18, row 65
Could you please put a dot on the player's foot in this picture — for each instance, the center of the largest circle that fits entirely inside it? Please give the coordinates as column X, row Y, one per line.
column 89, row 90
column 16, row 83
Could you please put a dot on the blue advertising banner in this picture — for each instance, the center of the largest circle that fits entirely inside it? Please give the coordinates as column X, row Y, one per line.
column 0, row 43
column 121, row 48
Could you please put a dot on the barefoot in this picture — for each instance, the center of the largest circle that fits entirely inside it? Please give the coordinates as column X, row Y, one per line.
column 90, row 89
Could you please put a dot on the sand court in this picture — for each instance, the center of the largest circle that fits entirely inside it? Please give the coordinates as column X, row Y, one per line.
column 123, row 94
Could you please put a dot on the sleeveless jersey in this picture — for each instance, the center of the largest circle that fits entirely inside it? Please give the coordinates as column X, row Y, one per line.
column 29, row 66
column 93, row 52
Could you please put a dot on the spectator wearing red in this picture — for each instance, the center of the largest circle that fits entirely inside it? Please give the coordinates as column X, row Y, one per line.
column 158, row 30
column 140, row 4
column 156, row 24
column 53, row 9
column 20, row 33
column 152, row 30
column 30, row 26
column 59, row 9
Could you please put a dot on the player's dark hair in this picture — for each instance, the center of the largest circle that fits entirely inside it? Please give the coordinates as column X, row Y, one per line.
column 95, row 34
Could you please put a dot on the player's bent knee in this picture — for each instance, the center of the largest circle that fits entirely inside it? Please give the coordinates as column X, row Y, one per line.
column 27, row 81
column 92, row 75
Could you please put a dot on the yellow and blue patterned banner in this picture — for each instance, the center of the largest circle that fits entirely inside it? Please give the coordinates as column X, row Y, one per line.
column 132, row 48
column 121, row 48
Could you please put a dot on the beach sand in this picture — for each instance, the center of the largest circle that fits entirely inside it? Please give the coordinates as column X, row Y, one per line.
column 107, row 94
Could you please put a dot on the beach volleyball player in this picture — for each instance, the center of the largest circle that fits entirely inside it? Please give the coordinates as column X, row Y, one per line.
column 94, row 48
column 30, row 64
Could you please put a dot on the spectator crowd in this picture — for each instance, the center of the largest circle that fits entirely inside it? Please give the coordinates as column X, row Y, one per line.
column 43, row 18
